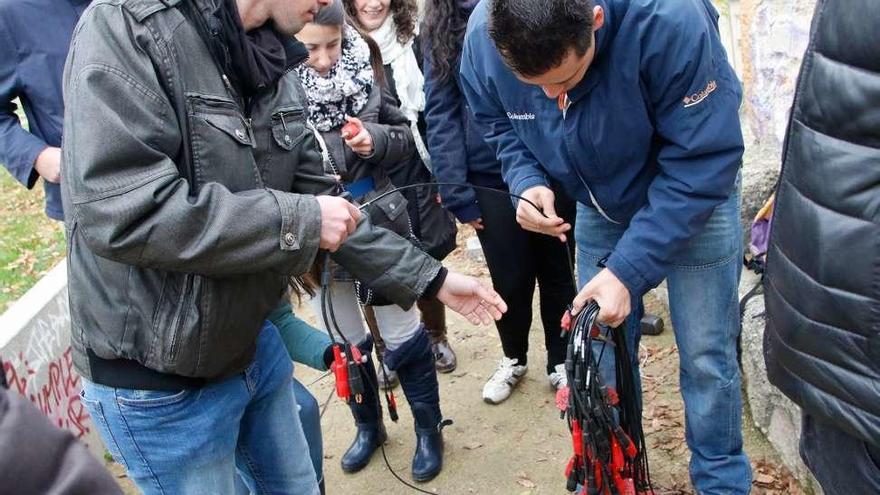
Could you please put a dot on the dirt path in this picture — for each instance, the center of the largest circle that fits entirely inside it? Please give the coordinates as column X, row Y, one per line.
column 520, row 446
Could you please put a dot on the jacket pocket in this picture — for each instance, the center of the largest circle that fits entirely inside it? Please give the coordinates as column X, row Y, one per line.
column 222, row 143
column 176, row 323
column 179, row 323
column 390, row 211
column 288, row 127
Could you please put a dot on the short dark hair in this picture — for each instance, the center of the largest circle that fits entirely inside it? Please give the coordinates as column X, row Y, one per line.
column 330, row 15
column 534, row 36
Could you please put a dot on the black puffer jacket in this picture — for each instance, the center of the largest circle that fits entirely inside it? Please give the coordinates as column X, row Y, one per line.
column 822, row 341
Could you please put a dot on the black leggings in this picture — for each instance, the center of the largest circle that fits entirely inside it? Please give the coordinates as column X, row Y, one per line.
column 516, row 259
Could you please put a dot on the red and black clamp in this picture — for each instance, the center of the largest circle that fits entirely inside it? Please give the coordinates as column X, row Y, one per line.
column 340, row 372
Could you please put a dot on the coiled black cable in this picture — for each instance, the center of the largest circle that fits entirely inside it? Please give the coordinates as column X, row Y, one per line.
column 586, row 389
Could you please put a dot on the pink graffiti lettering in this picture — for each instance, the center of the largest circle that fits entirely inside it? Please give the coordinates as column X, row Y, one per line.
column 58, row 397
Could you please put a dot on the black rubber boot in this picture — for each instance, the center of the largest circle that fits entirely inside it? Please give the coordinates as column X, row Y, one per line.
column 414, row 364
column 367, row 418
column 428, row 459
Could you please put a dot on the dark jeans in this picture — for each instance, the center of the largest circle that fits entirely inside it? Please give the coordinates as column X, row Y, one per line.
column 517, row 259
column 842, row 464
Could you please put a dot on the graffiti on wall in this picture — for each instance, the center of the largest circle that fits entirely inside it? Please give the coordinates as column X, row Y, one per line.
column 38, row 364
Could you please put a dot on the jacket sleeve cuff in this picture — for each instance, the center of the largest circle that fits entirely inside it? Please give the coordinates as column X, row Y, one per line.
column 25, row 171
column 467, row 213
column 327, row 356
column 527, row 183
column 380, row 142
column 628, row 274
column 300, row 228
column 434, row 287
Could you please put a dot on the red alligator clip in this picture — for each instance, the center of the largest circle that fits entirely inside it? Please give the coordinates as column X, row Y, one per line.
column 611, row 394
column 617, row 466
column 356, row 354
column 565, row 323
column 626, row 443
column 340, row 371
column 562, row 398
column 577, row 438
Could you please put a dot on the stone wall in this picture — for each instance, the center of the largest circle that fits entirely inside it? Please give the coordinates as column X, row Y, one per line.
column 36, row 355
column 774, row 37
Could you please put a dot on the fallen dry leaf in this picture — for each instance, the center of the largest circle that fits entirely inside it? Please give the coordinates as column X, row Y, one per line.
column 526, row 483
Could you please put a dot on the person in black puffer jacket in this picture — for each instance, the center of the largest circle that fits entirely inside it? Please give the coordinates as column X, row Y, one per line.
column 822, row 340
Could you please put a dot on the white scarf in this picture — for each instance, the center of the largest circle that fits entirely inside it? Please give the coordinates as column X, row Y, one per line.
column 409, row 82
column 408, row 79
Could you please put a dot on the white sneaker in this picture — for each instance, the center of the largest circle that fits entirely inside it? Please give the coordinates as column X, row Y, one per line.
column 506, row 376
column 557, row 377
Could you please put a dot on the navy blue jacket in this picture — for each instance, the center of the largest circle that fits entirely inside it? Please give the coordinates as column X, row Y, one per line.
column 459, row 153
column 34, row 36
column 651, row 139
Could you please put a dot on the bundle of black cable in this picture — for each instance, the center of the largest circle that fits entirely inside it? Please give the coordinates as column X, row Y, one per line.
column 605, row 423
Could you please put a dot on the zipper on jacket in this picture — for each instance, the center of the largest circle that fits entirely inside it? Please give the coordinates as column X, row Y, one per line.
column 180, row 316
column 565, row 103
column 249, row 126
column 328, row 158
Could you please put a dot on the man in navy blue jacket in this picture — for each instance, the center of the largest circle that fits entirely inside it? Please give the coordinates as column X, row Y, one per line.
column 35, row 36
column 633, row 107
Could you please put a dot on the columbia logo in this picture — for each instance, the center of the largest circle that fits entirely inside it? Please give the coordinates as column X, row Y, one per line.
column 520, row 116
column 701, row 95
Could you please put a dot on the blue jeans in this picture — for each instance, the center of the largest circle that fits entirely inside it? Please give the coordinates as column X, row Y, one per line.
column 310, row 418
column 702, row 281
column 197, row 441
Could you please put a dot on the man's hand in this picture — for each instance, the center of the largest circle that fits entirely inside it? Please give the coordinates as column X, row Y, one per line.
column 612, row 296
column 48, row 164
column 477, row 224
column 361, row 142
column 468, row 297
column 531, row 219
column 338, row 220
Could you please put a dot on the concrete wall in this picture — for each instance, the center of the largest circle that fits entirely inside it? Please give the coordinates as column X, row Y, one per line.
column 36, row 354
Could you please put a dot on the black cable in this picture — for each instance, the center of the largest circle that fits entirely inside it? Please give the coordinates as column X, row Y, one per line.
column 588, row 315
column 607, row 421
column 378, row 403
column 481, row 188
column 327, row 308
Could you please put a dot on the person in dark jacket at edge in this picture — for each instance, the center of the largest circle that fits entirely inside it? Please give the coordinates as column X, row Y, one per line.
column 35, row 35
column 194, row 191
column 38, row 457
column 516, row 258
column 633, row 107
column 393, row 25
column 822, row 285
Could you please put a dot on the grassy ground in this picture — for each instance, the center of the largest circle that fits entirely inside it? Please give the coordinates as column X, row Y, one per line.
column 30, row 243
